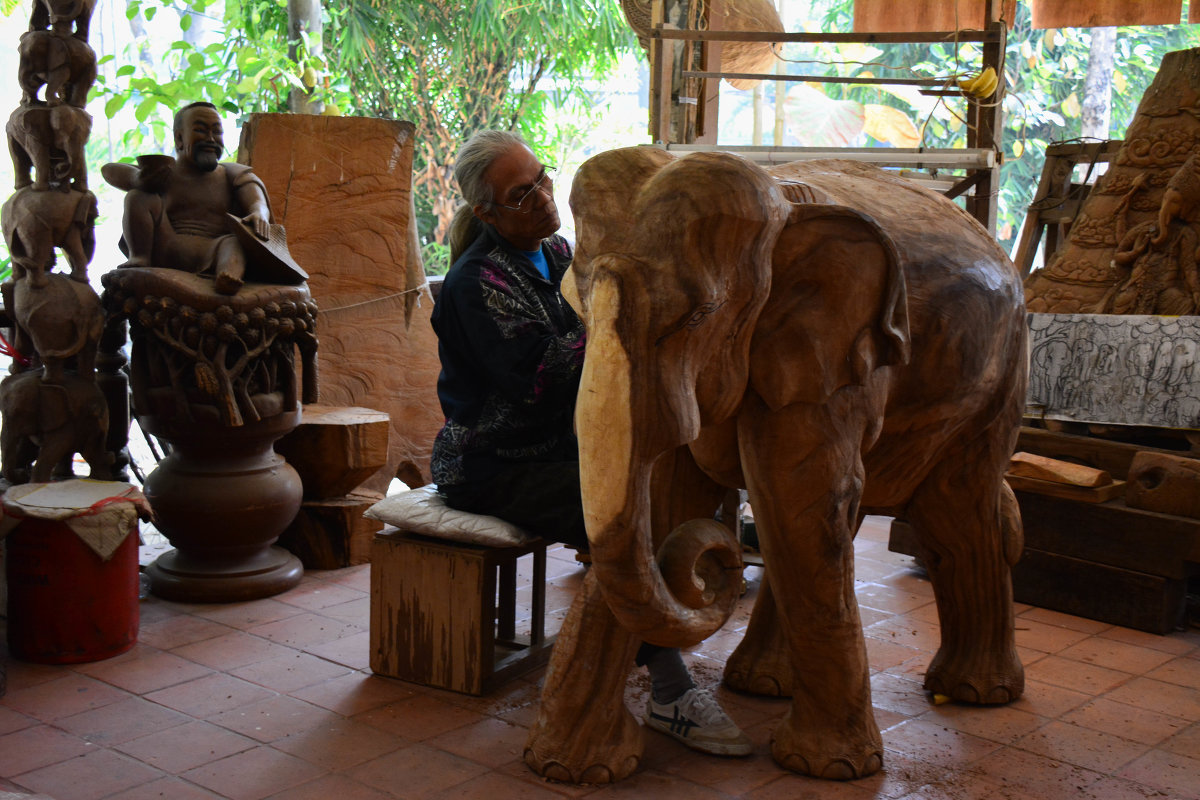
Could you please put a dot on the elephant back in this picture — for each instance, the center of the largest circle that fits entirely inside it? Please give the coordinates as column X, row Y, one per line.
column 924, row 226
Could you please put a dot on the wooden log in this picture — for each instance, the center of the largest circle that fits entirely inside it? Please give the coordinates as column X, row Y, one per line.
column 1030, row 465
column 1165, row 483
column 332, row 533
column 1111, row 456
column 336, row 448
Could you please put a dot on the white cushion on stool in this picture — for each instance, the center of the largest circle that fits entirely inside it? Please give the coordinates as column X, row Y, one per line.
column 424, row 511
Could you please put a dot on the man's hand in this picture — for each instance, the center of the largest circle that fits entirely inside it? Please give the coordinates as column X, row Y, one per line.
column 259, row 224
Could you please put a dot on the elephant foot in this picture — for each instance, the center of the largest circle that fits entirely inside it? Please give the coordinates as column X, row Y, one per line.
column 968, row 680
column 227, row 284
column 585, row 758
column 759, row 674
column 828, row 755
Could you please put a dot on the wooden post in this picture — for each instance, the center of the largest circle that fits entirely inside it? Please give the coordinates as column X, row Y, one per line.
column 987, row 124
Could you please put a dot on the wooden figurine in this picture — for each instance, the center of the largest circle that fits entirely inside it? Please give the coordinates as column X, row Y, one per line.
column 839, row 342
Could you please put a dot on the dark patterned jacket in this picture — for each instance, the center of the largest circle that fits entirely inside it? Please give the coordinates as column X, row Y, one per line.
column 512, row 353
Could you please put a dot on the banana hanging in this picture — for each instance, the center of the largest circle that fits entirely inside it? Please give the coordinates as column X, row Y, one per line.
column 982, row 85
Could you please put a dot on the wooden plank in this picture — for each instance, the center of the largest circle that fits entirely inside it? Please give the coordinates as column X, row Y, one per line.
column 1067, row 491
column 1032, row 465
column 1112, row 534
column 1104, row 13
column 888, row 15
column 1112, row 456
column 832, row 38
column 1105, row 593
column 774, row 76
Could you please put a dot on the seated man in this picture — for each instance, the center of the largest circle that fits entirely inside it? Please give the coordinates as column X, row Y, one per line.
column 512, row 354
column 177, row 211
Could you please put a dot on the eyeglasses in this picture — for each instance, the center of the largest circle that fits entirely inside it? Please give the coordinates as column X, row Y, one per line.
column 546, row 181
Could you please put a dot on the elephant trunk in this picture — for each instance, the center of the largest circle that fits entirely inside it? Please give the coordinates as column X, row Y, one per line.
column 1167, row 212
column 700, row 561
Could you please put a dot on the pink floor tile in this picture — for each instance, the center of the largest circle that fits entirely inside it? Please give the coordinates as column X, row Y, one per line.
column 306, row 629
column 1076, row 675
column 937, row 744
column 1169, row 772
column 232, row 650
column 1083, row 747
column 1115, row 655
column 1180, row 671
column 274, row 718
column 416, row 771
column 39, row 746
column 94, row 775
column 1002, row 724
column 121, row 721
column 244, row 616
column 338, row 744
column 145, row 669
column 69, row 694
column 253, row 774
column 1165, row 698
column 355, row 692
column 290, row 671
column 1129, row 722
column 186, row 746
column 332, row 787
column 210, row 695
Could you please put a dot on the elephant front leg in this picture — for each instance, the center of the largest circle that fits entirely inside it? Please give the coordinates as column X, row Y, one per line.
column 584, row 733
column 805, row 487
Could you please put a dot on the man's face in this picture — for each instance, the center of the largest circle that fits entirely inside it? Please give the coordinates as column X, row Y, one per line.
column 512, row 176
column 200, row 138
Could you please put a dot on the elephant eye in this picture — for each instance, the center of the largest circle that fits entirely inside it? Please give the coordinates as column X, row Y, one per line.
column 692, row 321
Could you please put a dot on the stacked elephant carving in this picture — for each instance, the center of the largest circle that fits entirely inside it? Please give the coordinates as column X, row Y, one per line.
column 50, row 402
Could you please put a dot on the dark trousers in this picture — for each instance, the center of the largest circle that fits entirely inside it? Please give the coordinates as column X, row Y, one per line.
column 541, row 497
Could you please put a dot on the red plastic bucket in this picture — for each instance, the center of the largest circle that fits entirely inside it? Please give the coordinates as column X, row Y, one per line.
column 65, row 604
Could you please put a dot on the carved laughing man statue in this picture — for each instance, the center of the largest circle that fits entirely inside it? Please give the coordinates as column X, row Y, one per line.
column 185, row 213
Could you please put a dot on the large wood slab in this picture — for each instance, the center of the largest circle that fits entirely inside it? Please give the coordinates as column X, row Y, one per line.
column 341, row 186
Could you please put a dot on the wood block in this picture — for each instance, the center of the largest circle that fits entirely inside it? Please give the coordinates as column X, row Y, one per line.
column 1109, row 594
column 1082, row 587
column 1043, row 468
column 336, row 448
column 1113, row 457
column 1083, row 494
column 333, row 533
column 342, row 186
column 1165, row 483
column 442, row 613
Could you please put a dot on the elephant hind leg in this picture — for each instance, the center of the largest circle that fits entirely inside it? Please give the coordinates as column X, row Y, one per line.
column 760, row 664
column 969, row 529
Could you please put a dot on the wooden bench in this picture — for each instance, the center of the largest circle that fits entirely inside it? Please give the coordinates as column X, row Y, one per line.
column 444, row 612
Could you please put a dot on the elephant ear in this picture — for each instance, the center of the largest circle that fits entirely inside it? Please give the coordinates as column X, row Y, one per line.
column 838, row 308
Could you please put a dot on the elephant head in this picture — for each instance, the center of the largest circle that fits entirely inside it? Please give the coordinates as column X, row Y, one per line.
column 1179, row 199
column 676, row 269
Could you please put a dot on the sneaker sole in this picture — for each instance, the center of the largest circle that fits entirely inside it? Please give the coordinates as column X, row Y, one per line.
column 714, row 748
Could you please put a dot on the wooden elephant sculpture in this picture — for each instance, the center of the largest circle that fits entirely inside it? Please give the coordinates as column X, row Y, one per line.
column 835, row 340
column 63, row 15
column 34, row 223
column 44, row 424
column 61, row 320
column 65, row 65
column 50, row 140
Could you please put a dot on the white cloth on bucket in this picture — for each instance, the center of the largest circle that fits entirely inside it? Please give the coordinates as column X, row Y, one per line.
column 424, row 511
column 101, row 513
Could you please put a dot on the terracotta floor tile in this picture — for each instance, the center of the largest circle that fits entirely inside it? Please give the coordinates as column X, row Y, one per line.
column 1048, row 700
column 178, row 631
column 352, row 650
column 493, row 785
column 355, row 692
column 732, row 776
column 290, row 671
column 890, row 598
column 39, row 746
column 357, row 611
column 184, row 747
column 210, row 695
column 319, row 594
column 1034, row 775
column 1071, row 674
column 1002, row 724
column 1180, row 671
column 305, row 629
column 274, row 718
column 1185, row 743
column 1045, row 638
column 333, row 787
column 338, row 744
column 416, row 771
column 1083, row 747
column 97, row 774
column 24, row 675
column 145, row 670
column 357, row 577
column 884, row 654
column 253, row 774
column 11, row 720
column 169, row 789
column 1165, row 698
column 964, row 786
column 1116, row 655
column 898, row 694
column 937, row 744
column 490, row 742
column 1177, row 644
column 244, row 616
column 1061, row 620
column 232, row 650
column 1120, row 789
column 1170, row 772
column 904, row 630
column 63, row 696
column 1129, row 722
column 419, row 717
column 121, row 721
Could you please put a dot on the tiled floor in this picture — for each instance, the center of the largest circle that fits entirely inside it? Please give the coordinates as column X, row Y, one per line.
column 275, row 699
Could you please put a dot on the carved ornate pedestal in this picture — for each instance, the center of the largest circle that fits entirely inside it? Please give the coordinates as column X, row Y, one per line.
column 215, row 377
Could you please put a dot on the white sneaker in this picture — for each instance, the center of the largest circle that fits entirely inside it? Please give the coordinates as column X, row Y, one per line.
column 696, row 719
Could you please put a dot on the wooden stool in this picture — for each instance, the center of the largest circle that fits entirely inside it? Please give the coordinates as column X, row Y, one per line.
column 443, row 613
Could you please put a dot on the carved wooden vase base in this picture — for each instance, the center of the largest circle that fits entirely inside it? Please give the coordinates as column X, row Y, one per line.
column 222, row 497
